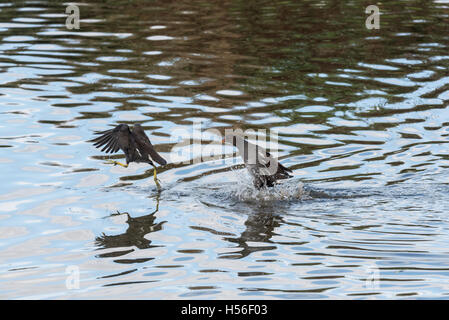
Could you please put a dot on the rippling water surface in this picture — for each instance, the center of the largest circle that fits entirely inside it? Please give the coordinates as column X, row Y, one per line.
column 361, row 116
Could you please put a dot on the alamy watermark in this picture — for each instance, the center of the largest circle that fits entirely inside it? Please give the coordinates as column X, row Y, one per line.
column 370, row 276
column 72, row 281
column 205, row 146
column 73, row 18
column 373, row 20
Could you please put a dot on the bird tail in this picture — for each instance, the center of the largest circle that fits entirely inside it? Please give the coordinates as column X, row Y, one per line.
column 283, row 172
column 156, row 157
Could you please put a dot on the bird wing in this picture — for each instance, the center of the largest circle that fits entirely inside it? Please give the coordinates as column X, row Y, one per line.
column 115, row 139
column 262, row 162
column 145, row 147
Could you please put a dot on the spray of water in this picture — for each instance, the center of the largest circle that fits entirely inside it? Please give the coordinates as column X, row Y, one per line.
column 244, row 190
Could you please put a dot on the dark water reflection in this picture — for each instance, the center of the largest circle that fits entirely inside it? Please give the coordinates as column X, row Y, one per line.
column 360, row 117
column 138, row 228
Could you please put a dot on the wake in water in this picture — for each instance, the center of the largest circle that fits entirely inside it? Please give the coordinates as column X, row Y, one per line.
column 289, row 190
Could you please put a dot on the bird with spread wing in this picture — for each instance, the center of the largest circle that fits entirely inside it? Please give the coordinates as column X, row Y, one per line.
column 133, row 142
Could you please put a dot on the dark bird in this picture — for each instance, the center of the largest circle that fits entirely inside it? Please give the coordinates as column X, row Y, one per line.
column 133, row 142
column 264, row 169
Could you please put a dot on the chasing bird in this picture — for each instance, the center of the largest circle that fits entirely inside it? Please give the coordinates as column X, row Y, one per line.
column 261, row 165
column 133, row 142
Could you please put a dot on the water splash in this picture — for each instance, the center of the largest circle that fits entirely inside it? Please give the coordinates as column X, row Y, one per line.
column 244, row 190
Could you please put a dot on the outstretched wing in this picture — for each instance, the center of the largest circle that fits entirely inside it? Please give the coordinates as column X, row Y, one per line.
column 144, row 145
column 115, row 139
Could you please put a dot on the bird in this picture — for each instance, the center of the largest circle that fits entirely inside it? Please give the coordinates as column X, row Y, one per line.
column 261, row 165
column 133, row 142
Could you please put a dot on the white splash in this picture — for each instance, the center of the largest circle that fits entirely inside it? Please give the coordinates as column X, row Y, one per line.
column 286, row 190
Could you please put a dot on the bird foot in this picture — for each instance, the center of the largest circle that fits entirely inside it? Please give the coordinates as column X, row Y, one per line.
column 158, row 185
column 156, row 180
column 117, row 213
column 116, row 163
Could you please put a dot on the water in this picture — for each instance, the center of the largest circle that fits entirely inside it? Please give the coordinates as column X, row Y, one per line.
column 361, row 115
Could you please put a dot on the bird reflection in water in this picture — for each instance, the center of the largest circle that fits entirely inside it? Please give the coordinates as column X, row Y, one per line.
column 134, row 236
column 260, row 225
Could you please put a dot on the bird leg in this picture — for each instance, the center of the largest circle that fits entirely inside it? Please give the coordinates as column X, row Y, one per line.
column 116, row 163
column 156, row 180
